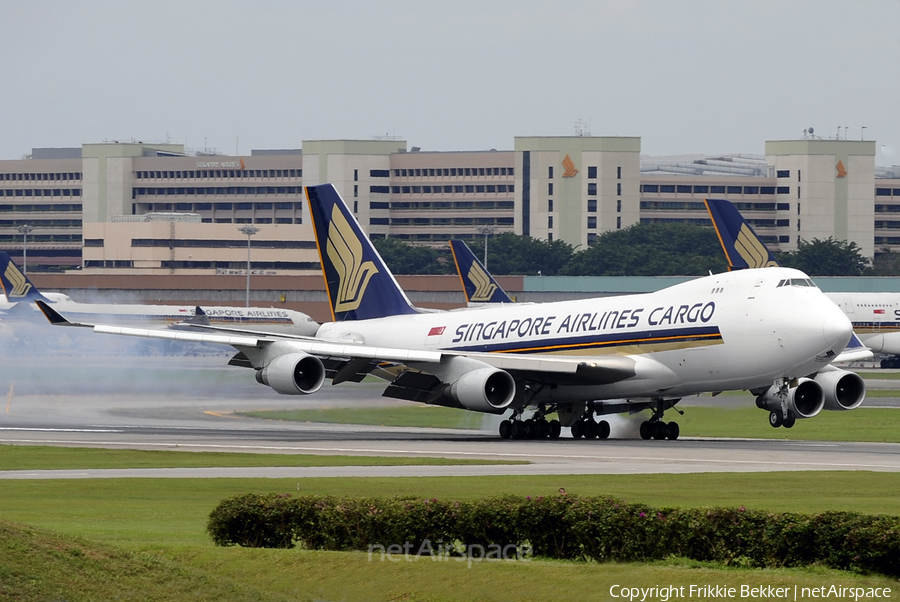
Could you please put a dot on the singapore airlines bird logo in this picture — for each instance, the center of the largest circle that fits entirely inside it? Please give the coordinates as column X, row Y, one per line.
column 570, row 167
column 346, row 254
column 484, row 288
column 841, row 170
column 20, row 285
column 752, row 250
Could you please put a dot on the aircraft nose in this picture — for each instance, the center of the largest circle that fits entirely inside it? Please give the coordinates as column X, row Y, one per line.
column 837, row 329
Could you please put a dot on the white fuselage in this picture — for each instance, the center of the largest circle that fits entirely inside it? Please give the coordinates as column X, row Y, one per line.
column 875, row 318
column 736, row 330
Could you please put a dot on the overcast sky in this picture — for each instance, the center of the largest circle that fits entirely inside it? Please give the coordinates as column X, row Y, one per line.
column 687, row 76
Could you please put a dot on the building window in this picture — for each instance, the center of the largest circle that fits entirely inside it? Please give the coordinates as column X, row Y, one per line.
column 355, row 190
column 592, row 222
column 619, row 206
column 550, row 172
column 782, row 190
column 550, row 188
column 592, row 188
column 783, row 173
column 592, row 172
column 592, row 206
column 592, row 238
column 549, row 221
column 356, row 175
column 550, row 205
column 618, row 173
column 618, row 223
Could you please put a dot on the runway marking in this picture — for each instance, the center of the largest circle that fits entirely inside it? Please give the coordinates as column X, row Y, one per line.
column 58, row 430
column 794, row 463
column 221, row 415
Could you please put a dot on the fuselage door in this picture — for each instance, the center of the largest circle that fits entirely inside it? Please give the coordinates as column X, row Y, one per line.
column 755, row 289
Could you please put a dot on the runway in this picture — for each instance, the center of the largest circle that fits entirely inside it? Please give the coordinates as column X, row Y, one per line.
column 155, row 417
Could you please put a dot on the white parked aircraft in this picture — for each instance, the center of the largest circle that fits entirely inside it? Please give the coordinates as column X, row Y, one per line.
column 737, row 330
column 21, row 292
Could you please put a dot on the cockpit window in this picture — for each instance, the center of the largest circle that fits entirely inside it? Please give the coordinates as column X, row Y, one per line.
column 796, row 282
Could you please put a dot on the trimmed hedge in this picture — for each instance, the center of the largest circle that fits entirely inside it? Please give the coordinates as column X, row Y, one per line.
column 566, row 527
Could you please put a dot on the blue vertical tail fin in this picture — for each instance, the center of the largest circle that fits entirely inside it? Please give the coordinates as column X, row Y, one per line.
column 743, row 248
column 479, row 285
column 359, row 284
column 16, row 284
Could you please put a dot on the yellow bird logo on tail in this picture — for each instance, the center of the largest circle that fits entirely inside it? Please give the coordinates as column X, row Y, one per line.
column 346, row 253
column 484, row 288
column 20, row 285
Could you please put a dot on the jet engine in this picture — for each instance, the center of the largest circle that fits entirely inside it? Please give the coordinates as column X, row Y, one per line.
column 844, row 390
column 484, row 390
column 804, row 400
column 293, row 374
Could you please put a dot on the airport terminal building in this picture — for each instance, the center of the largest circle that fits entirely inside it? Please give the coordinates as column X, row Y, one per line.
column 143, row 208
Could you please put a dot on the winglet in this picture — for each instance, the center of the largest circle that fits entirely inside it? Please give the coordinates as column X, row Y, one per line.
column 54, row 316
column 479, row 285
column 360, row 286
column 743, row 247
column 199, row 318
column 16, row 284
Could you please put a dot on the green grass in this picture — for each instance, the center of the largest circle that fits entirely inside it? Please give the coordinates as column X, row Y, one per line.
column 15, row 457
column 418, row 415
column 40, row 565
column 745, row 420
column 137, row 512
column 880, row 375
column 863, row 424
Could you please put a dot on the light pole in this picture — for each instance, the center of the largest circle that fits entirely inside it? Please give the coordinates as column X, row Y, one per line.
column 249, row 231
column 486, row 230
column 25, row 229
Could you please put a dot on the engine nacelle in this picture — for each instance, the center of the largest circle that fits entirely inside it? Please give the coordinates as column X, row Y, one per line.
column 844, row 390
column 804, row 401
column 485, row 390
column 293, row 374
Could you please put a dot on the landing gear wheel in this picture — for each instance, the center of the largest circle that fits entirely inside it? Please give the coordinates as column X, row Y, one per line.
column 672, row 431
column 589, row 430
column 518, row 430
column 505, row 429
column 546, row 429
column 577, row 430
column 603, row 430
column 555, row 429
column 789, row 421
column 530, row 430
column 775, row 419
column 659, row 430
column 646, row 430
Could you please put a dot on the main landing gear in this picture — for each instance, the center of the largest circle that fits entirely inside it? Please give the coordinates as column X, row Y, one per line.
column 656, row 428
column 536, row 427
column 587, row 428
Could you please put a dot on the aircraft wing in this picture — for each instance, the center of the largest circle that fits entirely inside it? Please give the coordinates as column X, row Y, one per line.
column 255, row 352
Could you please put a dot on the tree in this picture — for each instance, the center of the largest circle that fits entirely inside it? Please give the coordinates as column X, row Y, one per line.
column 886, row 263
column 510, row 253
column 404, row 258
column 657, row 249
column 826, row 258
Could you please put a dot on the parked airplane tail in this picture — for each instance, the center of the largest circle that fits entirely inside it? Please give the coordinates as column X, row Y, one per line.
column 359, row 284
column 742, row 246
column 16, row 284
column 479, row 285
